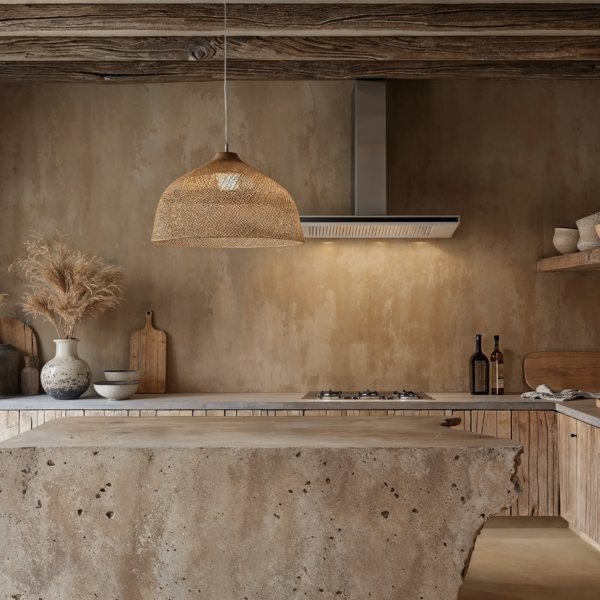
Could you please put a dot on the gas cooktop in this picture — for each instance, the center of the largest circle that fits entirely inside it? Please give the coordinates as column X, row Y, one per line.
column 366, row 395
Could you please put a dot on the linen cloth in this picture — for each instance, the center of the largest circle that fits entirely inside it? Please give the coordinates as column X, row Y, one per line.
column 545, row 392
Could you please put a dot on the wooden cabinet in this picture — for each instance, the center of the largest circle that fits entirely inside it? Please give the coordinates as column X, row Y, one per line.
column 579, row 445
column 538, row 471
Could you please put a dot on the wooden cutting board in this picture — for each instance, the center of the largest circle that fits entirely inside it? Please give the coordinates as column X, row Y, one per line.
column 21, row 336
column 564, row 370
column 148, row 355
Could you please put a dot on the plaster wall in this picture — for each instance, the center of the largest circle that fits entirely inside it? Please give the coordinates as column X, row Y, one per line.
column 514, row 159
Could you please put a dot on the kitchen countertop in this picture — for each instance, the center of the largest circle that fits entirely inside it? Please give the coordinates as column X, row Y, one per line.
column 274, row 401
column 583, row 410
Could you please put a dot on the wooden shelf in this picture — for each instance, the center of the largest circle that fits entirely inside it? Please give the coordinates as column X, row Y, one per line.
column 589, row 260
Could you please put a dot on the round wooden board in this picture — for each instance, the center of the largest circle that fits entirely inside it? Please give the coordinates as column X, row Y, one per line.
column 21, row 336
column 564, row 370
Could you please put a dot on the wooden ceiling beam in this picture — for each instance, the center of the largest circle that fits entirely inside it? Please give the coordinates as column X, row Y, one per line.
column 209, row 70
column 279, row 48
column 326, row 17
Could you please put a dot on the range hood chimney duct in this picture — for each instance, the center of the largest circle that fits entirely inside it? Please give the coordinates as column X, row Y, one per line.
column 369, row 148
column 369, row 190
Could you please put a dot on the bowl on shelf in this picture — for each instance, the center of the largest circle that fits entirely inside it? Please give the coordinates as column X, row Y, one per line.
column 598, row 231
column 588, row 238
column 565, row 240
column 122, row 375
column 116, row 390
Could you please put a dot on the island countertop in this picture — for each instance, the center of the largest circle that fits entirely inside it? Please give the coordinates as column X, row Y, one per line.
column 249, row 507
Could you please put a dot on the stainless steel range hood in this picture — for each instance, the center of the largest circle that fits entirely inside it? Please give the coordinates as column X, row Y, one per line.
column 369, row 218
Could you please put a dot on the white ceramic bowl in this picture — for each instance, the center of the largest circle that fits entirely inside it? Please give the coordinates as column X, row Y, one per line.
column 116, row 390
column 122, row 375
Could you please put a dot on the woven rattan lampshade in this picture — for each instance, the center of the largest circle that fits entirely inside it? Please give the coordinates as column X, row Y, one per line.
column 226, row 204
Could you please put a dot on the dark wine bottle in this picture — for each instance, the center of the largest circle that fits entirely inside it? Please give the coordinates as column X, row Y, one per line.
column 479, row 367
column 497, row 365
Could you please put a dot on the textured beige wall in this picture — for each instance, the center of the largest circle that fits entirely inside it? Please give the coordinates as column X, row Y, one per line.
column 513, row 159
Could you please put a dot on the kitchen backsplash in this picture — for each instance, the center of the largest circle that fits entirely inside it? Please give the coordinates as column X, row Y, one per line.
column 513, row 159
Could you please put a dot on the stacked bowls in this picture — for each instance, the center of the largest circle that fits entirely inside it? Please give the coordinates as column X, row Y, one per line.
column 119, row 385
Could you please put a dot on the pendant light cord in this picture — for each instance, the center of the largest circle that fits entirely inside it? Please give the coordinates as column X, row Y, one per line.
column 225, row 79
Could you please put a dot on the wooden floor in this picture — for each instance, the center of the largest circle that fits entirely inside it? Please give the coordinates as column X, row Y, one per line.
column 532, row 558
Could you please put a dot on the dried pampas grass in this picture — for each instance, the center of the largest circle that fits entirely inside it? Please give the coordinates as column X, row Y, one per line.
column 67, row 287
column 2, row 296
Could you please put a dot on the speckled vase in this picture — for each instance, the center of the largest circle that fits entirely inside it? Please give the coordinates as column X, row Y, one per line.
column 588, row 238
column 66, row 376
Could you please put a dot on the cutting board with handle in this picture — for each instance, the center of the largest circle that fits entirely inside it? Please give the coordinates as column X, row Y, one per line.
column 21, row 336
column 564, row 370
column 148, row 355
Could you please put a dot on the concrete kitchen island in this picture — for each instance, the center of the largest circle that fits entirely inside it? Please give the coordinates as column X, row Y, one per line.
column 216, row 508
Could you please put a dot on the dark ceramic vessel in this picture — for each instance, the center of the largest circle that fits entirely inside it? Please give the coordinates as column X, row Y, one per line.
column 9, row 370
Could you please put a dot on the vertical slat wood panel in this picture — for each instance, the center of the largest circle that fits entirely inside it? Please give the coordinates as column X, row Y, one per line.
column 437, row 413
column 461, row 415
column 9, row 424
column 50, row 415
column 553, row 464
column 591, row 518
column 74, row 413
column 595, row 532
column 567, row 443
column 520, row 432
column 504, row 424
column 542, row 464
column 504, row 430
column 28, row 419
column 583, row 475
column 533, row 505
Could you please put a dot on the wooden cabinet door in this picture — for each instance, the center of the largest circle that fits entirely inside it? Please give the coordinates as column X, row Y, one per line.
column 579, row 445
column 567, row 449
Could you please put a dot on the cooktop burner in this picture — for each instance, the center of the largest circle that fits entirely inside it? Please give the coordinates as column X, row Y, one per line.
column 365, row 395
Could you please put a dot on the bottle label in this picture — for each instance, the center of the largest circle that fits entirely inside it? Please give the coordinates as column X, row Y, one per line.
column 480, row 373
column 498, row 376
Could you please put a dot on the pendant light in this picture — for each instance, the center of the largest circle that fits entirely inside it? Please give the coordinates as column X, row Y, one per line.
column 226, row 204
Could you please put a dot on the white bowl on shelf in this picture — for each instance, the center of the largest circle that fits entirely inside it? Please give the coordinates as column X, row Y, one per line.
column 116, row 390
column 122, row 375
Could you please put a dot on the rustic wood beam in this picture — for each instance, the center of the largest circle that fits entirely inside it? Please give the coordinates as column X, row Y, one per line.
column 169, row 71
column 277, row 48
column 209, row 17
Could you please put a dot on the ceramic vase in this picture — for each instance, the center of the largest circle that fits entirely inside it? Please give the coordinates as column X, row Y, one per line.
column 30, row 377
column 565, row 240
column 588, row 238
column 9, row 370
column 66, row 376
